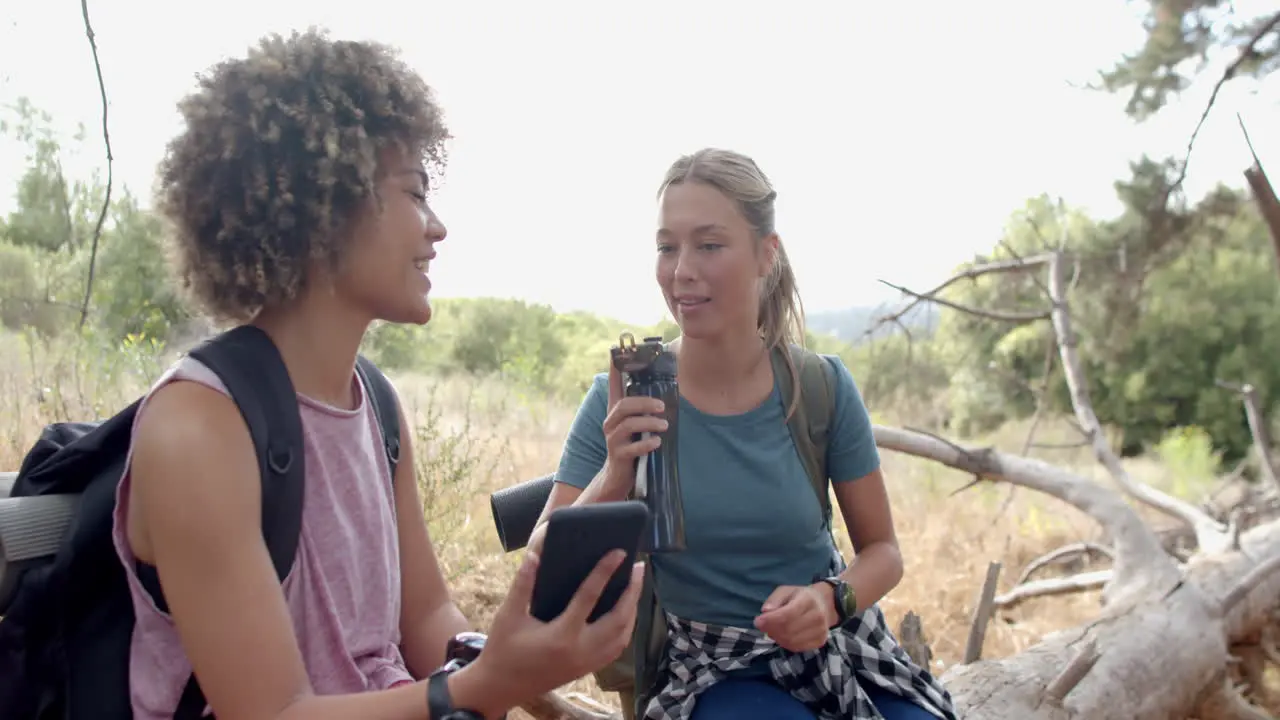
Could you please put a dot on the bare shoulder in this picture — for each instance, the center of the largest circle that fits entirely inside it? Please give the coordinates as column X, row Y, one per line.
column 193, row 468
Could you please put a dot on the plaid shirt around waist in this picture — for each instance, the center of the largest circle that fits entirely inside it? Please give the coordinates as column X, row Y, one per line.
column 827, row 680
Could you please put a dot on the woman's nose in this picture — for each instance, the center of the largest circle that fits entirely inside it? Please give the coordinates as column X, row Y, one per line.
column 436, row 231
column 685, row 267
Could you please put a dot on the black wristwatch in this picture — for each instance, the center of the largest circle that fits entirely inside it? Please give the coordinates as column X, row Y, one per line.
column 439, row 703
column 845, row 599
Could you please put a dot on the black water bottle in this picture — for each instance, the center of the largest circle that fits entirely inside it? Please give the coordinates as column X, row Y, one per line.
column 650, row 370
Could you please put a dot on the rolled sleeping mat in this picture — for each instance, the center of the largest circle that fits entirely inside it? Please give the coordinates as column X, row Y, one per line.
column 31, row 528
column 516, row 510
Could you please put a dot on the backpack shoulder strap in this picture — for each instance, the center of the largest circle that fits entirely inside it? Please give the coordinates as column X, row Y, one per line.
column 811, row 422
column 385, row 406
column 250, row 366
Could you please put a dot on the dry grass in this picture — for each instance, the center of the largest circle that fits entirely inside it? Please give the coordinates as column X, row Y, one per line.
column 473, row 437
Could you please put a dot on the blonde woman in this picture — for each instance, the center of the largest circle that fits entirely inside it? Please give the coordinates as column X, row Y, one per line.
column 764, row 617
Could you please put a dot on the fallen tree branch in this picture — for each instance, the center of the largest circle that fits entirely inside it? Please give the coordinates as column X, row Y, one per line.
column 1061, row 554
column 1140, row 561
column 1210, row 534
column 1180, row 626
column 1053, row 586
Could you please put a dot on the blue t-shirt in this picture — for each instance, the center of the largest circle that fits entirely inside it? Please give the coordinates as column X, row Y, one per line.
column 752, row 520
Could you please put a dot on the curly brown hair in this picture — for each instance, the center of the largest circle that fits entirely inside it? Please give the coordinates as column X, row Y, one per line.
column 280, row 153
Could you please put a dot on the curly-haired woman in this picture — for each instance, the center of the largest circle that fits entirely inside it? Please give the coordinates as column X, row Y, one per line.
column 764, row 618
column 297, row 196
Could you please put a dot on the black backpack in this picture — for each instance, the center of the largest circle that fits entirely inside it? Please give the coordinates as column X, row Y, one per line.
column 65, row 634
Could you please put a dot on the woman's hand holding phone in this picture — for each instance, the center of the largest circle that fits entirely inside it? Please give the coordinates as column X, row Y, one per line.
column 525, row 657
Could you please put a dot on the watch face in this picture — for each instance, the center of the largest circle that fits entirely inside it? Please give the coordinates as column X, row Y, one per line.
column 847, row 602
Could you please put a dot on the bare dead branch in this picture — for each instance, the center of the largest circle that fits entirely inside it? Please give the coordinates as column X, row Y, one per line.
column 970, row 273
column 1139, row 558
column 982, row 614
column 1246, row 51
column 1258, row 429
column 106, row 138
column 1210, row 534
column 1263, row 194
column 1008, row 247
column 1054, row 586
column 999, row 315
column 1062, row 554
column 1075, row 671
column 977, row 479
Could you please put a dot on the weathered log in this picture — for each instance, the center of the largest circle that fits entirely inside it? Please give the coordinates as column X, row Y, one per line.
column 1161, row 620
column 1155, row 610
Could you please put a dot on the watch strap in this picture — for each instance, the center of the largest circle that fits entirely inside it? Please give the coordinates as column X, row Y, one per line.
column 839, row 588
column 440, row 702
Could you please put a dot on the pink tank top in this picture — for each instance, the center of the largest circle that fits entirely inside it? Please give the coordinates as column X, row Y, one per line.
column 343, row 592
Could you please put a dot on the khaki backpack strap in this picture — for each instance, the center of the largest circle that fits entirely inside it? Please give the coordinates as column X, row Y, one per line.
column 811, row 422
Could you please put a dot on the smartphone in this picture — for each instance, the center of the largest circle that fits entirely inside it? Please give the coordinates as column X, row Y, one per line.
column 577, row 537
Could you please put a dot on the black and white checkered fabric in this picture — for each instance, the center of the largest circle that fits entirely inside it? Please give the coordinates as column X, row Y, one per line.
column 827, row 679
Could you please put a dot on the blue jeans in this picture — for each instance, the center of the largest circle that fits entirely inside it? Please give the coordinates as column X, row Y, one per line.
column 748, row 699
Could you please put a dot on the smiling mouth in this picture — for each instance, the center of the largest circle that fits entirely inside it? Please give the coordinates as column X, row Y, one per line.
column 692, row 302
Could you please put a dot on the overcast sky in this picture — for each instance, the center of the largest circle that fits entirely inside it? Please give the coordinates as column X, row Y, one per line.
column 900, row 135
